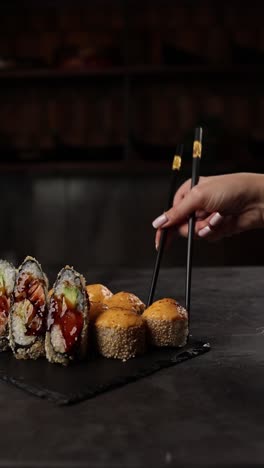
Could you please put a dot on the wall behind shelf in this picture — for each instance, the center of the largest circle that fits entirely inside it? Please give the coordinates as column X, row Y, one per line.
column 93, row 220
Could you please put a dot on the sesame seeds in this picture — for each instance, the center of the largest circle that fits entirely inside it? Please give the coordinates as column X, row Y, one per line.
column 167, row 323
column 120, row 343
column 166, row 333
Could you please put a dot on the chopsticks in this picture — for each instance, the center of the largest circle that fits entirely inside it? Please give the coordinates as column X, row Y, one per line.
column 176, row 165
column 197, row 153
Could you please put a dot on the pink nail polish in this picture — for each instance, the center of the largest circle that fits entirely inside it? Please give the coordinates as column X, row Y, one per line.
column 158, row 222
column 204, row 232
column 216, row 219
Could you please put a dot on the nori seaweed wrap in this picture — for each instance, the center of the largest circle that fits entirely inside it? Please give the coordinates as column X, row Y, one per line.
column 7, row 283
column 67, row 325
column 28, row 314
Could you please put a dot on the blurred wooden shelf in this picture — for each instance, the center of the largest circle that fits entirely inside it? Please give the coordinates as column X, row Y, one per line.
column 131, row 168
column 86, row 168
column 60, row 74
column 244, row 73
column 63, row 3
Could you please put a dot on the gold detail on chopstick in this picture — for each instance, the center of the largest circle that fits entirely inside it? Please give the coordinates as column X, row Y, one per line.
column 176, row 165
column 197, row 149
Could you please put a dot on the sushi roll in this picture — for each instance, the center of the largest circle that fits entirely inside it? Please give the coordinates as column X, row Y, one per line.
column 97, row 293
column 120, row 334
column 126, row 300
column 28, row 314
column 67, row 325
column 7, row 283
column 167, row 323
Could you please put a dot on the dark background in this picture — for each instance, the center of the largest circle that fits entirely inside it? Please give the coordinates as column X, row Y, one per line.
column 95, row 96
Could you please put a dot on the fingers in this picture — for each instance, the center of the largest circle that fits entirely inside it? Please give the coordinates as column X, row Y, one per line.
column 216, row 226
column 160, row 221
column 184, row 189
column 194, row 200
column 157, row 238
column 201, row 214
column 214, row 221
column 225, row 228
column 228, row 226
column 169, row 236
column 203, row 227
column 181, row 192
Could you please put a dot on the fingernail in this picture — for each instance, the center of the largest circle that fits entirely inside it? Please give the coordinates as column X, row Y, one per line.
column 158, row 222
column 216, row 219
column 204, row 232
column 156, row 246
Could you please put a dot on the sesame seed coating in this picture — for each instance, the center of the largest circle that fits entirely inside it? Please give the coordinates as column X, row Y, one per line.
column 120, row 343
column 166, row 333
column 34, row 352
column 120, row 334
column 167, row 323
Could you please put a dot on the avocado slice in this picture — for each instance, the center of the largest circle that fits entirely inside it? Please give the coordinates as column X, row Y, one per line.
column 71, row 295
column 2, row 281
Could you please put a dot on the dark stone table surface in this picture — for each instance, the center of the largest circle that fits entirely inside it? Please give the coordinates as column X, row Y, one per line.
column 208, row 411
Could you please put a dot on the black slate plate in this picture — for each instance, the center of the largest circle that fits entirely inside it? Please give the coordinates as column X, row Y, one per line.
column 84, row 380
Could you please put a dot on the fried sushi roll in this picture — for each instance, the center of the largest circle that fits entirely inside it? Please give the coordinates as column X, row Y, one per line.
column 67, row 325
column 167, row 323
column 7, row 283
column 126, row 300
column 28, row 314
column 97, row 294
column 120, row 334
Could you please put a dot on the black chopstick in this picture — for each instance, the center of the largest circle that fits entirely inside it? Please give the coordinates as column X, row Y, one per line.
column 176, row 165
column 196, row 158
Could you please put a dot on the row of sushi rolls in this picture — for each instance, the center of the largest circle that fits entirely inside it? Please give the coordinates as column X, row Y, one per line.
column 73, row 320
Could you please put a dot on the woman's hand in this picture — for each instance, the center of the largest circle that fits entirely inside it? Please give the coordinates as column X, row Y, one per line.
column 223, row 205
